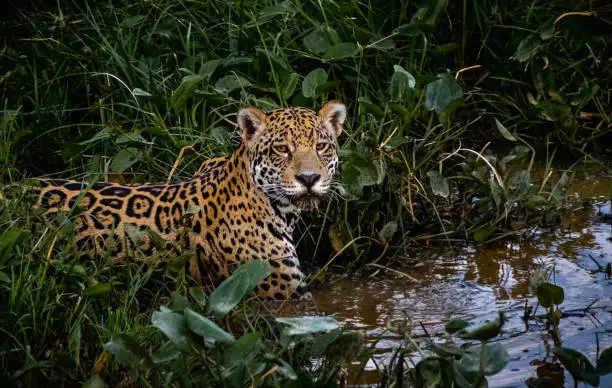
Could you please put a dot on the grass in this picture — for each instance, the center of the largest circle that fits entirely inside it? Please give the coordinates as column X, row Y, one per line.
column 451, row 106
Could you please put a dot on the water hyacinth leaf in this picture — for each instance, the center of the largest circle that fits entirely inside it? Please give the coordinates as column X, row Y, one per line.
column 604, row 363
column 401, row 82
column 496, row 358
column 307, row 325
column 98, row 289
column 174, row 326
column 285, row 370
column 229, row 83
column 312, row 81
column 94, row 381
column 518, row 152
column 577, row 365
column 231, row 291
column 486, row 331
column 359, row 171
column 434, row 372
column 317, row 41
column 455, row 325
column 440, row 93
column 322, row 342
column 167, row 352
column 245, row 348
column 550, row 294
column 289, row 85
column 346, row 348
column 209, row 67
column 206, row 328
column 179, row 98
column 520, row 183
column 504, row 131
column 341, row 51
column 126, row 350
column 125, row 159
column 439, row 184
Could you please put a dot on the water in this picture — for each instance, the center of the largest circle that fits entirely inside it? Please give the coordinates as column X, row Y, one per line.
column 475, row 283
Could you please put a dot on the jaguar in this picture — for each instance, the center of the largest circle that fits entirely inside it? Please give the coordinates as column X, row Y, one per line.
column 238, row 208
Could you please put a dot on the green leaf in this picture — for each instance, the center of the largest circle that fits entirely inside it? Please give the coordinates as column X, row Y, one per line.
column 231, row 291
column 317, row 41
column 481, row 234
column 98, row 289
column 550, row 294
column 174, row 326
column 322, row 342
column 285, row 370
column 206, row 328
column 199, row 295
column 209, row 67
column 496, row 358
column 94, row 381
column 4, row 278
column 434, row 372
column 9, row 239
column 440, row 93
column 126, row 350
column 504, row 131
column 179, row 98
column 141, row 93
column 455, row 325
column 486, row 331
column 341, row 51
column 439, row 184
column 604, row 363
column 577, row 365
column 527, row 48
column 229, row 83
column 244, row 349
column 358, row 171
column 401, row 82
column 312, row 81
column 125, row 159
column 289, row 85
column 520, row 183
column 103, row 134
column 132, row 21
column 179, row 302
column 167, row 352
column 307, row 325
column 518, row 152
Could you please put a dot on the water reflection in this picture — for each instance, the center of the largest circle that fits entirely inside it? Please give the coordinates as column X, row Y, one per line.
column 476, row 283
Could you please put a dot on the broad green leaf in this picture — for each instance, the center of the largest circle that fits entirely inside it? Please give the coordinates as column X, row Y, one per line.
column 370, row 107
column 206, row 328
column 284, row 9
column 199, row 295
column 341, row 51
column 9, row 239
column 401, row 82
column 518, row 152
column 98, row 289
column 126, row 350
column 173, row 325
column 125, row 159
column 550, row 294
column 504, row 131
column 496, row 358
column 179, row 98
column 322, row 342
column 289, row 85
column 307, row 325
column 455, row 325
column 317, row 41
column 604, row 363
column 4, row 278
column 434, row 372
column 520, row 183
column 231, row 291
column 244, row 349
column 285, row 370
column 358, row 171
column 209, row 67
column 486, row 331
column 439, row 184
column 527, row 48
column 346, row 348
column 132, row 21
column 167, row 352
column 577, row 365
column 440, row 93
column 179, row 302
column 229, row 83
column 94, row 381
column 312, row 81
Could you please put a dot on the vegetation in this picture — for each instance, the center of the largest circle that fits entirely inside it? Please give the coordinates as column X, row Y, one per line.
column 135, row 91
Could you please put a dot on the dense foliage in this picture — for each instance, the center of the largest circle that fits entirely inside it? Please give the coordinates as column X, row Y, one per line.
column 145, row 90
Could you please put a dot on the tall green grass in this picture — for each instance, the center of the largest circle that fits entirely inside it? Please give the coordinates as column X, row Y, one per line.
column 451, row 104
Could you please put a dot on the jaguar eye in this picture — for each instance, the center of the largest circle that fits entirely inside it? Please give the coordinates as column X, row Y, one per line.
column 322, row 147
column 282, row 149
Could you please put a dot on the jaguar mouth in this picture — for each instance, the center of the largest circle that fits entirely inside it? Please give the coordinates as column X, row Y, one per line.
column 309, row 201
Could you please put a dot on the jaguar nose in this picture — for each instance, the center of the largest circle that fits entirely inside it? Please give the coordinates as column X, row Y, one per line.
column 308, row 180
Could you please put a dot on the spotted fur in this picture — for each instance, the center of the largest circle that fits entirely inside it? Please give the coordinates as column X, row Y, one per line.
column 237, row 209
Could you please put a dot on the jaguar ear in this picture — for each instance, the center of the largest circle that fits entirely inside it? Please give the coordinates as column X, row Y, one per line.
column 333, row 115
column 251, row 121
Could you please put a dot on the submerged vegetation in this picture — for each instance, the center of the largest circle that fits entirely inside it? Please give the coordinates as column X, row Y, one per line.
column 450, row 105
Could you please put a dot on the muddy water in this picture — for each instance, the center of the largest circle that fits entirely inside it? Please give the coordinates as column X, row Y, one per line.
column 475, row 283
